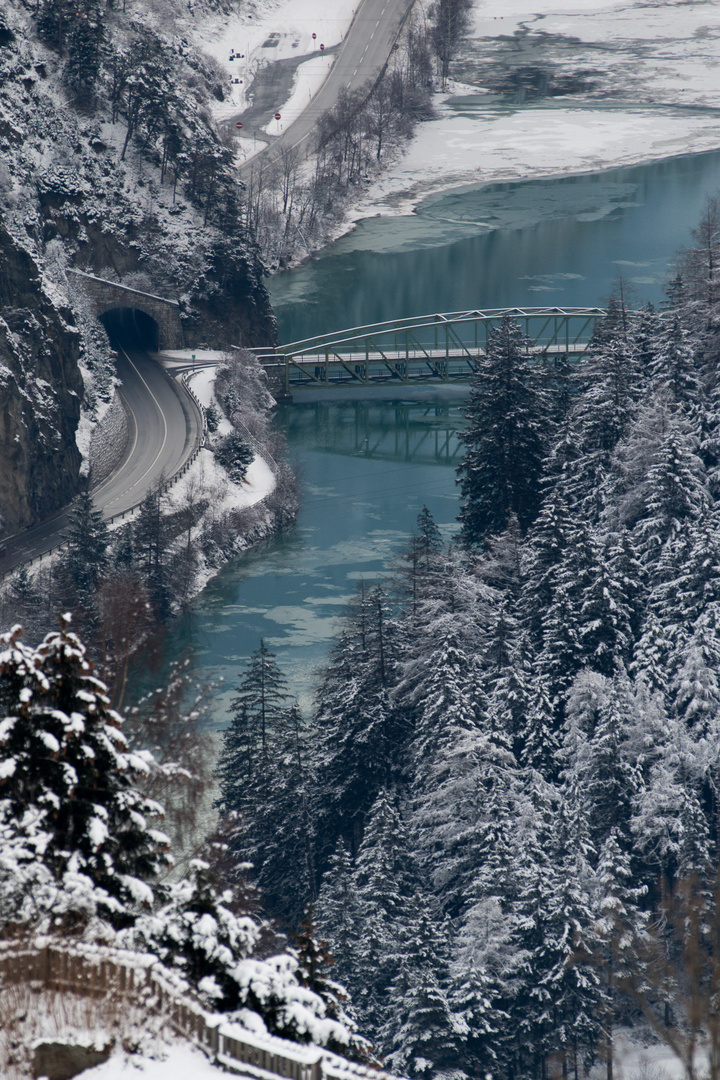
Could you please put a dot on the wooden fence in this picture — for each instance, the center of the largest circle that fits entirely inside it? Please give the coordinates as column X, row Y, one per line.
column 95, row 971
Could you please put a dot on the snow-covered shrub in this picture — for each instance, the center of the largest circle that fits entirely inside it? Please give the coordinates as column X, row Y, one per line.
column 197, row 935
column 234, row 455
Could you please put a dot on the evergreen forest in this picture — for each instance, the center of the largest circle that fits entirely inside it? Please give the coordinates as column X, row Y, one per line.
column 504, row 812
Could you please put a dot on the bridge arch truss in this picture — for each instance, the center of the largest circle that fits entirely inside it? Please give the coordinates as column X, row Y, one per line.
column 425, row 349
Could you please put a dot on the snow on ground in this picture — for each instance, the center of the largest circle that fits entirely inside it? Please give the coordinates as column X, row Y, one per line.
column 262, row 33
column 643, row 80
column 309, row 77
column 634, row 1060
column 205, row 475
column 647, row 72
column 490, row 147
column 183, row 1062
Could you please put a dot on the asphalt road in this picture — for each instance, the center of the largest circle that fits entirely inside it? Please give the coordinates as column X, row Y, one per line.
column 165, row 424
column 359, row 59
column 165, row 428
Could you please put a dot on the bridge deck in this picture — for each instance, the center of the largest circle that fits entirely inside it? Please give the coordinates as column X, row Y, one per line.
column 392, row 365
column 427, row 348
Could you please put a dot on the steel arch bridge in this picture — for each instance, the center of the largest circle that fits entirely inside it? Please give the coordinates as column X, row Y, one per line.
column 426, row 349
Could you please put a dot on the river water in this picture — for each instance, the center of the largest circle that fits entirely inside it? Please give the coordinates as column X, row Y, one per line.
column 368, row 465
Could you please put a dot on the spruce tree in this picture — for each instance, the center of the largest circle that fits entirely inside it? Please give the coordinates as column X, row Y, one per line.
column 385, row 885
column 65, row 763
column 421, row 1037
column 150, row 543
column 359, row 735
column 337, row 910
column 264, row 776
column 505, row 439
column 88, row 539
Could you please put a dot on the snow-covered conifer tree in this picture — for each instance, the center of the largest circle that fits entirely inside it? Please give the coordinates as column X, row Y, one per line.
column 505, row 440
column 66, row 770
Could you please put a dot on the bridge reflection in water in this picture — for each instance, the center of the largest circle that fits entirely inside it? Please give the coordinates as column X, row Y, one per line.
column 425, row 349
column 418, row 431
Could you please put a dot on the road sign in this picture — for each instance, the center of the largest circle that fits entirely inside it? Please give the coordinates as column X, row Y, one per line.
column 277, row 116
column 239, row 125
column 314, row 36
column 321, row 48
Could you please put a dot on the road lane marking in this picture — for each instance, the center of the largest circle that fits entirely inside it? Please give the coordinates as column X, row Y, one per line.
column 165, row 427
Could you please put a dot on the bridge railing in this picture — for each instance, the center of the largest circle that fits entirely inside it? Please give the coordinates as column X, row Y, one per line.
column 442, row 347
column 103, row 972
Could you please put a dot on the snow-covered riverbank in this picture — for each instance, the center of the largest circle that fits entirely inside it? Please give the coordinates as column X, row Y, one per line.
column 544, row 87
column 641, row 82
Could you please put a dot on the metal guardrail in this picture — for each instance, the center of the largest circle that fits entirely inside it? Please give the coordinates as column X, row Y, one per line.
column 130, row 511
column 97, row 971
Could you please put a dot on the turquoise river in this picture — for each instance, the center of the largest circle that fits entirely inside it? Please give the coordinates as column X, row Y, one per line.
column 368, row 464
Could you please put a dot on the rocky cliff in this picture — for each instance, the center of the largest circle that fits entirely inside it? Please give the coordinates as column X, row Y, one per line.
column 109, row 163
column 40, row 393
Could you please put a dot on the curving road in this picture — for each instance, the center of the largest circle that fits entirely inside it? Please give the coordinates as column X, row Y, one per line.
column 360, row 58
column 165, row 428
column 165, row 424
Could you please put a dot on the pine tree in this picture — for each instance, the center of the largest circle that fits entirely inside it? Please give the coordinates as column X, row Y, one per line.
column 695, row 689
column 676, row 494
column 150, row 543
column 88, row 539
column 421, row 1037
column 261, row 697
column 556, row 1006
column 421, row 570
column 198, row 934
column 605, row 613
column 85, row 46
column 674, row 367
column 278, row 830
column 505, row 440
column 338, row 913
column 314, row 960
column 385, row 884
column 264, row 776
column 554, row 531
column 602, row 766
column 540, row 739
column 610, row 381
column 358, row 735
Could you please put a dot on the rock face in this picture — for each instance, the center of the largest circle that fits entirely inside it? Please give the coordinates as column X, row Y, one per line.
column 40, row 394
column 63, row 1060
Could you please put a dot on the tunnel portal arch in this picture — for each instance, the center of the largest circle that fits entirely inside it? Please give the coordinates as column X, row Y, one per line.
column 131, row 327
column 109, row 297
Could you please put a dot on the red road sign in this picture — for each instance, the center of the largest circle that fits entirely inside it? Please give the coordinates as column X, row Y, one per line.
column 322, row 47
column 239, row 125
column 277, row 116
column 314, row 36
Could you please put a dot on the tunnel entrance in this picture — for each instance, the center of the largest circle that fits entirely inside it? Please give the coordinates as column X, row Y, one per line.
column 132, row 329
